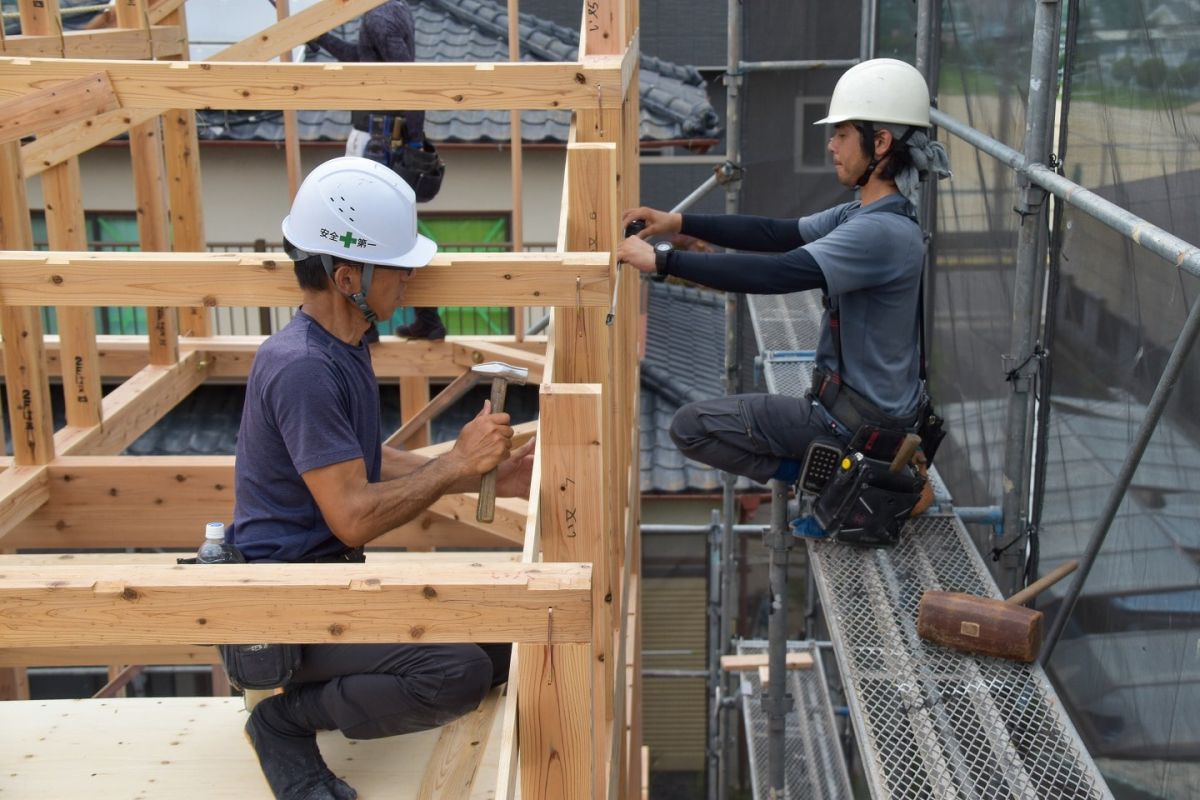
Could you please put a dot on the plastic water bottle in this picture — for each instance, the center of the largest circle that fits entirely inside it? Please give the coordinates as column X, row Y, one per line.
column 215, row 549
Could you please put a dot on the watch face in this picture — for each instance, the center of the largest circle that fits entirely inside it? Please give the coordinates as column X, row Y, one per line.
column 663, row 247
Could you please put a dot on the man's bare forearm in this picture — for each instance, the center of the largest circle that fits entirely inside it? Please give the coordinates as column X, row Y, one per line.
column 401, row 463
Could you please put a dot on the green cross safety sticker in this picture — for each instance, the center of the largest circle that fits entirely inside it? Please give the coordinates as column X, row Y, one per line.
column 348, row 239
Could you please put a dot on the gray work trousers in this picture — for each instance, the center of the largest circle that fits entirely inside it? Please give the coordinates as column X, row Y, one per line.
column 751, row 434
column 375, row 690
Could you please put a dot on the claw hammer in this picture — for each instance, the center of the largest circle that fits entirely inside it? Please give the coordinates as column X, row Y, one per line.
column 502, row 375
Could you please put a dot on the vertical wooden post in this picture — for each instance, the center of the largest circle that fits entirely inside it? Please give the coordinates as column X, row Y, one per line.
column 518, row 202
column 66, row 229
column 561, row 721
column 25, row 378
column 150, row 194
column 29, row 414
column 291, row 137
column 181, row 146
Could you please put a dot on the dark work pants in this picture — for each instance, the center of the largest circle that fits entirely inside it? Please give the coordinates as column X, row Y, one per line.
column 751, row 434
column 374, row 690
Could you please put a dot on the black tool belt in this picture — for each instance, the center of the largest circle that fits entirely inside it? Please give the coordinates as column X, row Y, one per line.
column 850, row 407
column 355, row 556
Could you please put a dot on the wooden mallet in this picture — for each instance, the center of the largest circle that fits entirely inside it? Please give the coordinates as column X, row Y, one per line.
column 986, row 626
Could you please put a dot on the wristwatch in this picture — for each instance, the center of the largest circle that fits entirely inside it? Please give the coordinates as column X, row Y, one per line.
column 662, row 252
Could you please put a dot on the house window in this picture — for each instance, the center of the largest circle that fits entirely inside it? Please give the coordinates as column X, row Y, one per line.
column 809, row 153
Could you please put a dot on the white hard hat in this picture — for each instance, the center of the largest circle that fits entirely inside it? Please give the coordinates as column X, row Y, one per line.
column 880, row 90
column 358, row 209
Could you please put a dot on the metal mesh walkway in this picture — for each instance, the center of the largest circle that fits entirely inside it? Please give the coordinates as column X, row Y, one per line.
column 931, row 723
column 815, row 767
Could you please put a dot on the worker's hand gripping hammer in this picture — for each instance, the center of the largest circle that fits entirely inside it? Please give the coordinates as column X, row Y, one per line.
column 502, row 375
column 634, row 227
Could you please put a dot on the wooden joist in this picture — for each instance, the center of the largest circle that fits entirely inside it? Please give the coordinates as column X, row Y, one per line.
column 35, row 278
column 57, row 105
column 747, row 663
column 98, row 502
column 164, row 40
column 298, row 603
column 548, row 86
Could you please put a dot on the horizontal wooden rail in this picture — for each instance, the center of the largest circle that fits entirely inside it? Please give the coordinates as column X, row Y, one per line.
column 297, row 603
column 594, row 84
column 126, row 44
column 97, row 502
column 392, row 357
column 34, row 278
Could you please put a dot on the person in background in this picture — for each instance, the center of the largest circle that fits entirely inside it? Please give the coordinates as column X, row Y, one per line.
column 388, row 33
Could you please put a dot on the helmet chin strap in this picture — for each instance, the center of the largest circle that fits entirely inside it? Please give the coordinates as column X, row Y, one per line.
column 866, row 129
column 359, row 298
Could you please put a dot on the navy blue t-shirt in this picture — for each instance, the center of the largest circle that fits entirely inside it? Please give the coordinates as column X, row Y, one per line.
column 311, row 400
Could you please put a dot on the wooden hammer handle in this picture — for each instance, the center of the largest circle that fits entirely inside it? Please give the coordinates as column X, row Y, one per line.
column 905, row 452
column 1047, row 580
column 485, row 511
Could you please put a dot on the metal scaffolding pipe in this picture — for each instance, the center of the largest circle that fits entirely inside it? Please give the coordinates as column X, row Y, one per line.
column 1154, row 411
column 778, row 541
column 780, row 66
column 697, row 193
column 723, row 762
column 1021, row 365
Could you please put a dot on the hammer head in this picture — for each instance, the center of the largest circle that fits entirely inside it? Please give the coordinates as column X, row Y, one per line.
column 498, row 369
column 980, row 625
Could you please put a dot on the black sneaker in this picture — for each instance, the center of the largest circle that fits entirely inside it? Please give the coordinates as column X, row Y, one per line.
column 291, row 762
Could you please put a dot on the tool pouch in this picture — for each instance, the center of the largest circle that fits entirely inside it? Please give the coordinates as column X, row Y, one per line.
column 865, row 503
column 929, row 428
column 260, row 666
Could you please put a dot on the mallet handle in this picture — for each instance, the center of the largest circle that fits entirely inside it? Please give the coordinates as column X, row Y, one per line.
column 485, row 511
column 1047, row 580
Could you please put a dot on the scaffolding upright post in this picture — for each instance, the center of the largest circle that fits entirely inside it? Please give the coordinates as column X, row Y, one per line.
column 721, row 773
column 1021, row 362
column 775, row 700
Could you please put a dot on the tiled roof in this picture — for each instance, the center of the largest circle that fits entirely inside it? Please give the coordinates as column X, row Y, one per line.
column 685, row 361
column 674, row 102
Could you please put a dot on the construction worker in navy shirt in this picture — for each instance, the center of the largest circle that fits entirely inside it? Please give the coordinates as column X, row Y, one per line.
column 314, row 483
column 866, row 256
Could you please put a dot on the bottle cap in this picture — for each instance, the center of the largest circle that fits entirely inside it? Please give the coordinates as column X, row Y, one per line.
column 214, row 530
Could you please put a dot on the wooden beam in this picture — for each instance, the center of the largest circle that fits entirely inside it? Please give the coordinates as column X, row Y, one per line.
column 56, row 105
column 96, row 502
column 75, row 139
column 549, row 86
column 82, row 656
column 456, row 757
column 258, row 279
column 295, row 603
column 293, row 30
column 133, row 407
column 23, row 490
column 231, row 356
column 124, row 44
column 748, row 663
column 181, row 150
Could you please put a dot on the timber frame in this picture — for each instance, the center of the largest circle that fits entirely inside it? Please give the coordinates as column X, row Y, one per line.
column 570, row 721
